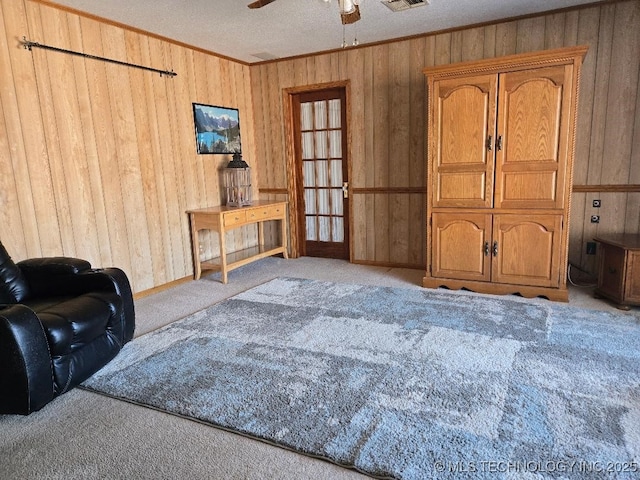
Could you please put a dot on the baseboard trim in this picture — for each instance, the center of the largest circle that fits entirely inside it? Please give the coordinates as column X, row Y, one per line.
column 161, row 288
column 372, row 263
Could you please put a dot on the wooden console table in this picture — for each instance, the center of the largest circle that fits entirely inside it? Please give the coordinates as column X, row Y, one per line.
column 619, row 269
column 222, row 219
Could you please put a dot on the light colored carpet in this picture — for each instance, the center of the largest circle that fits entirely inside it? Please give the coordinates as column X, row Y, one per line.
column 85, row 435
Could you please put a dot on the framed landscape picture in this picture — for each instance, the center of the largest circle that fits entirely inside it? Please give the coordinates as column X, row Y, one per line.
column 217, row 129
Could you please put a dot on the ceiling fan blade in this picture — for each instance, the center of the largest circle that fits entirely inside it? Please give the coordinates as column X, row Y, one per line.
column 260, row 3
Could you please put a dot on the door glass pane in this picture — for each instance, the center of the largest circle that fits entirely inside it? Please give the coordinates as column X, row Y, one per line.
column 323, row 202
column 325, row 229
column 307, row 145
column 334, row 113
column 336, row 202
column 322, row 167
column 335, row 143
column 320, row 109
column 306, row 116
column 309, row 201
column 321, row 144
column 338, row 229
column 311, row 229
column 309, row 174
column 336, row 173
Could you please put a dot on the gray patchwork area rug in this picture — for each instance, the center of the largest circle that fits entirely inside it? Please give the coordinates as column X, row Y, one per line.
column 402, row 383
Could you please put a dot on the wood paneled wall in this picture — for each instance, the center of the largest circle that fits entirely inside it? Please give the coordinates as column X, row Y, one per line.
column 388, row 123
column 98, row 160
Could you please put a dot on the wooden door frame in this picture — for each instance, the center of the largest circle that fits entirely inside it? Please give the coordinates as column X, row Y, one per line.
column 293, row 181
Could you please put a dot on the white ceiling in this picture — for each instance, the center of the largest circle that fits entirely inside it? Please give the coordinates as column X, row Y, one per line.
column 287, row 28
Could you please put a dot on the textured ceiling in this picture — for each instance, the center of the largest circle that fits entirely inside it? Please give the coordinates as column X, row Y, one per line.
column 287, row 28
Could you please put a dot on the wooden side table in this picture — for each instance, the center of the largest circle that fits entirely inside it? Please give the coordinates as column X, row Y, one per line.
column 222, row 219
column 619, row 269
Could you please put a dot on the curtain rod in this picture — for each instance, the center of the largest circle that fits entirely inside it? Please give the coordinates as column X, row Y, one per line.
column 28, row 45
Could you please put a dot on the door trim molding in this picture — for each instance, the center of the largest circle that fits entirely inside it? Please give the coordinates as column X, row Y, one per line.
column 290, row 161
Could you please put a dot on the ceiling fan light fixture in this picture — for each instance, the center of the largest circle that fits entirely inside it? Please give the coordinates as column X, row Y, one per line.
column 349, row 11
column 347, row 6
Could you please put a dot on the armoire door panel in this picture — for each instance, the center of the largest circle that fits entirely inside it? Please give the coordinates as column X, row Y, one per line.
column 459, row 189
column 462, row 150
column 461, row 243
column 526, row 249
column 525, row 189
column 532, row 126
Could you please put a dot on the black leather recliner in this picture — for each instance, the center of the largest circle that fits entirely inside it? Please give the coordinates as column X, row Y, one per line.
column 60, row 322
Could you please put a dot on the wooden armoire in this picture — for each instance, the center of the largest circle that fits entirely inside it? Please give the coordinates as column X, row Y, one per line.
column 500, row 154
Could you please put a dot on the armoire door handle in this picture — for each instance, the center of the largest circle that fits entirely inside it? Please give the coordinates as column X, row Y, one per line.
column 499, row 142
column 495, row 249
column 490, row 143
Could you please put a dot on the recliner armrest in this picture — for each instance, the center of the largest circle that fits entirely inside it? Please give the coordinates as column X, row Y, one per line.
column 26, row 372
column 54, row 276
column 53, row 266
column 65, row 276
column 113, row 279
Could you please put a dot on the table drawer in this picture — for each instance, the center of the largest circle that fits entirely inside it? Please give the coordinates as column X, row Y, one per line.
column 235, row 218
column 264, row 213
column 275, row 211
column 256, row 214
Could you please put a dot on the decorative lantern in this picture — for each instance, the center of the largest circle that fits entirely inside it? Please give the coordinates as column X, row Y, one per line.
column 237, row 182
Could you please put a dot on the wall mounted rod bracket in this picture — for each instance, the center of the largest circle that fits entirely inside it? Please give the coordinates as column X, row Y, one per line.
column 28, row 45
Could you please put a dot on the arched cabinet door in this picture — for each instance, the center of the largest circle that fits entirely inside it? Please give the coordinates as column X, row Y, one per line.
column 526, row 249
column 461, row 246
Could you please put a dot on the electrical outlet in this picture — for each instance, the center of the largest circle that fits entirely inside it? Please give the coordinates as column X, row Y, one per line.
column 597, row 204
column 591, row 248
column 595, row 218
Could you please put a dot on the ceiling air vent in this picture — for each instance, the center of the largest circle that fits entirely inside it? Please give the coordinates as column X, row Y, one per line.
column 399, row 5
column 265, row 56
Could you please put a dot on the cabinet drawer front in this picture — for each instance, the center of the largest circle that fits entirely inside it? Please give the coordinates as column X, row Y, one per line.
column 256, row 214
column 275, row 211
column 234, row 218
column 266, row 212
